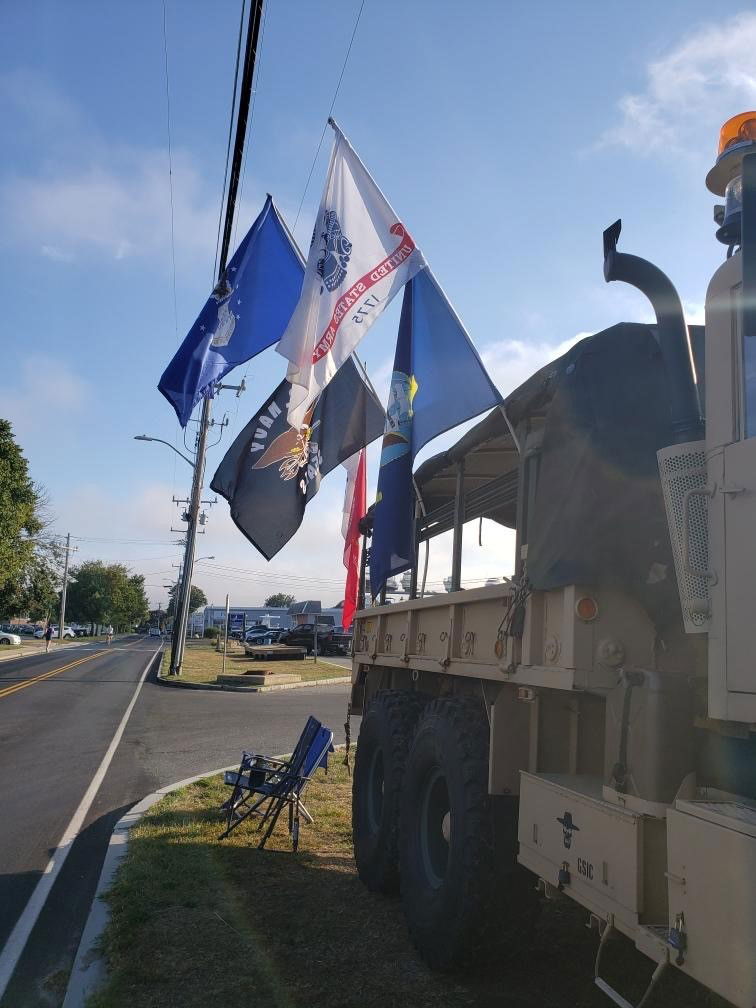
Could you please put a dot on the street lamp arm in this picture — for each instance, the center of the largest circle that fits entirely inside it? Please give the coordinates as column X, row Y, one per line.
column 144, row 437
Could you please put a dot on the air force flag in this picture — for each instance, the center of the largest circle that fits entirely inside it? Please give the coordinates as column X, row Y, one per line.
column 246, row 313
column 434, row 355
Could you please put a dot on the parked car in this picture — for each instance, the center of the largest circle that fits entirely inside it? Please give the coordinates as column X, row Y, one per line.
column 9, row 638
column 256, row 631
column 266, row 635
column 27, row 629
column 67, row 632
column 304, row 636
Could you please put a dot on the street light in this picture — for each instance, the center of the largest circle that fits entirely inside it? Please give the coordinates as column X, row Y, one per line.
column 145, row 437
column 181, row 616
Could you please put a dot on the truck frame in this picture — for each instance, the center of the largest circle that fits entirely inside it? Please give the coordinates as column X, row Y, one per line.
column 586, row 728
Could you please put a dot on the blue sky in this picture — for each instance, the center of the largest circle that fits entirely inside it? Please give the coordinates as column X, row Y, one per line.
column 507, row 135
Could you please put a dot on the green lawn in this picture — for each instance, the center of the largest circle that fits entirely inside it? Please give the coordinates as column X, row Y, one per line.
column 202, row 923
column 203, row 664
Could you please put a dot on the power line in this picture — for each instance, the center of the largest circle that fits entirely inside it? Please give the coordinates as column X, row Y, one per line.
column 245, row 95
column 255, row 89
column 330, row 111
column 228, row 144
column 170, row 164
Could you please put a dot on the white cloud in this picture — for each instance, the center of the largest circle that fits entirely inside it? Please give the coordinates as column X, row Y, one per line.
column 510, row 362
column 44, row 394
column 694, row 312
column 56, row 254
column 90, row 197
column 117, row 206
column 708, row 77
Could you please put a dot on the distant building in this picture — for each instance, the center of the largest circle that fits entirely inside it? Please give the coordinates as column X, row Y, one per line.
column 270, row 616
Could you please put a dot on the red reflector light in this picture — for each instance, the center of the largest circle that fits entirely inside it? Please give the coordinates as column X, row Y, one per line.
column 586, row 608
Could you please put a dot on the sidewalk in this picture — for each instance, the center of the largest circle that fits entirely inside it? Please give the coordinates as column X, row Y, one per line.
column 28, row 650
column 9, row 652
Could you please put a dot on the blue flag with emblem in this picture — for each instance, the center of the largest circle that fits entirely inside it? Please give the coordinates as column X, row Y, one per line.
column 246, row 313
column 438, row 381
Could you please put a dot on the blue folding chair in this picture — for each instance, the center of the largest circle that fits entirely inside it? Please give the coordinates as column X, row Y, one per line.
column 264, row 786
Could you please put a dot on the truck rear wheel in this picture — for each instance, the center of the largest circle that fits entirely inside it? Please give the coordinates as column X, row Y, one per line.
column 465, row 899
column 382, row 746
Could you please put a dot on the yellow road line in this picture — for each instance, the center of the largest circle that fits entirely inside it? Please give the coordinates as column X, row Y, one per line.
column 47, row 675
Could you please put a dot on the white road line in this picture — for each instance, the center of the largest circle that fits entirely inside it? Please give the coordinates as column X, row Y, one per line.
column 20, row 933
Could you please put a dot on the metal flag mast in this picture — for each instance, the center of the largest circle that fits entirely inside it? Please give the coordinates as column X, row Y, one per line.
column 195, row 500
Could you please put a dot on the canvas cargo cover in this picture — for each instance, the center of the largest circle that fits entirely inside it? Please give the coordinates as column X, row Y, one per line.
column 598, row 513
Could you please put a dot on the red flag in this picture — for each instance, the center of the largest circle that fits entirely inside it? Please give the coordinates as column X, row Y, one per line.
column 355, row 506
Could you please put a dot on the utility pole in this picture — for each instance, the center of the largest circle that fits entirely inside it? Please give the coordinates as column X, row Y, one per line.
column 181, row 607
column 62, row 620
column 225, row 639
column 245, row 93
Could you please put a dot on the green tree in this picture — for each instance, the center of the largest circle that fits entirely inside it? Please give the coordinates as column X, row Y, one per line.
column 197, row 599
column 106, row 593
column 19, row 502
column 129, row 604
column 34, row 593
column 279, row 601
column 29, row 562
column 89, row 593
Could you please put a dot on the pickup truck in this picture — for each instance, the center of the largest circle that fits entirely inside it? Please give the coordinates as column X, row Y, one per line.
column 329, row 642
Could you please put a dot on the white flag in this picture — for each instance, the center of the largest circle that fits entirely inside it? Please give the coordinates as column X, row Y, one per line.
column 361, row 255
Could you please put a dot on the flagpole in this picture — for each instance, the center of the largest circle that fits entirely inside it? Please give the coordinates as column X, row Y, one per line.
column 245, row 93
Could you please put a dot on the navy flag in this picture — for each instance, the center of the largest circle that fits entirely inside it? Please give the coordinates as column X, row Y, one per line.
column 272, row 469
column 247, row 312
column 438, row 382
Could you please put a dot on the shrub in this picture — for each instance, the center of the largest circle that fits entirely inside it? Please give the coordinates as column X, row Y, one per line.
column 212, row 632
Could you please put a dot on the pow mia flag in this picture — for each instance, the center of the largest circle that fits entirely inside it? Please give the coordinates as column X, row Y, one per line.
column 272, row 469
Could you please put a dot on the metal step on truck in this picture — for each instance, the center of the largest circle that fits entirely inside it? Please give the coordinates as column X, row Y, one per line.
column 587, row 729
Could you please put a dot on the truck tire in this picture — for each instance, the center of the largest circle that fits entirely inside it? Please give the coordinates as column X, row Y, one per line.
column 382, row 746
column 465, row 898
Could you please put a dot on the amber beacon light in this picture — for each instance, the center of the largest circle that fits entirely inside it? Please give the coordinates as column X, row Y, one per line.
column 736, row 138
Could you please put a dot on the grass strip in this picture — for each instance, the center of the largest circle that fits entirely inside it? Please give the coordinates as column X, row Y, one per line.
column 203, row 664
column 198, row 922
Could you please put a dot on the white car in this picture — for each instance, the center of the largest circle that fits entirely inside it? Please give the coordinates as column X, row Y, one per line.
column 155, row 632
column 9, row 638
column 67, row 632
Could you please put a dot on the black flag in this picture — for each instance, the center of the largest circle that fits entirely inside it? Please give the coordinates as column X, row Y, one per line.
column 272, row 470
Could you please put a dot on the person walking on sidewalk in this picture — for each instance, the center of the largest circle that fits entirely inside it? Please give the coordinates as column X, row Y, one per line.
column 48, row 637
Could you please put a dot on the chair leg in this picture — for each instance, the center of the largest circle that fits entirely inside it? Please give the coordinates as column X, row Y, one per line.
column 305, row 813
column 265, row 815
column 273, row 821
column 234, row 819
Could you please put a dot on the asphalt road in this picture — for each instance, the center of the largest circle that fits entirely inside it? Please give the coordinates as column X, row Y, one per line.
column 58, row 716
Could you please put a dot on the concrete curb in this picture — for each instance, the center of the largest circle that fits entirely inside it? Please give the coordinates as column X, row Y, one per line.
column 334, row 681
column 23, row 653
column 89, row 970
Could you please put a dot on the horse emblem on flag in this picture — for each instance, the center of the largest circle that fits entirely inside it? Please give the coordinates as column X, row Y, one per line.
column 335, row 253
